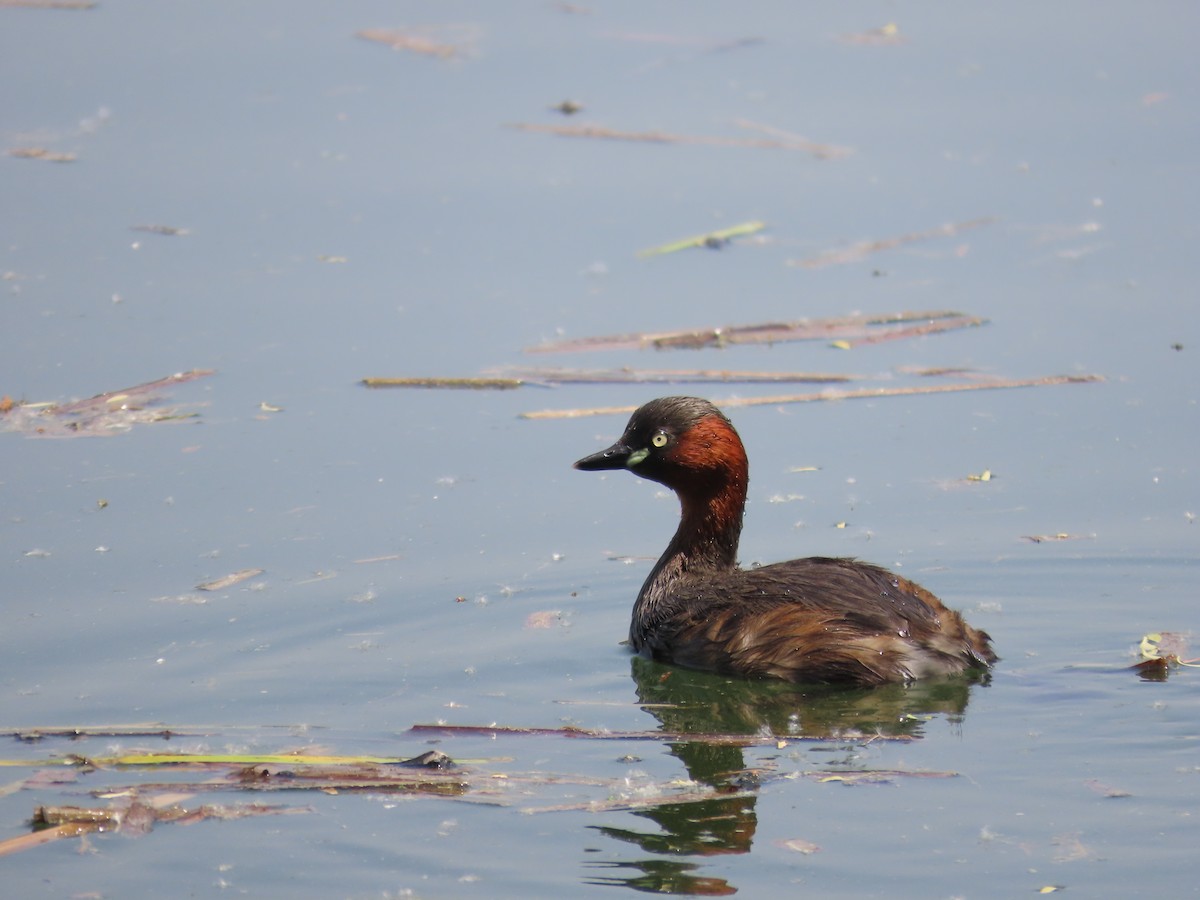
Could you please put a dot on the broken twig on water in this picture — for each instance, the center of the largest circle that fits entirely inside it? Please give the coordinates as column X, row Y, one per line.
column 149, row 729
column 428, row 760
column 839, row 327
column 857, row 394
column 628, row 375
column 663, row 137
column 910, row 331
column 475, row 384
column 546, row 377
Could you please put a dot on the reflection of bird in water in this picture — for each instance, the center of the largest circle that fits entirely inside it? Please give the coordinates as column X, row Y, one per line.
column 814, row 620
column 663, row 876
column 703, row 703
column 691, row 702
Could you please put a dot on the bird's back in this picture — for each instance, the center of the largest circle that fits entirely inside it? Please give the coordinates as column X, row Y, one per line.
column 817, row 620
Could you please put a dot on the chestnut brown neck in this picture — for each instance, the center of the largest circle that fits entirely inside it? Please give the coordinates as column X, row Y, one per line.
column 710, row 475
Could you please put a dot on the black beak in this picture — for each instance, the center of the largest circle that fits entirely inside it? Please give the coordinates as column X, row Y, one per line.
column 615, row 457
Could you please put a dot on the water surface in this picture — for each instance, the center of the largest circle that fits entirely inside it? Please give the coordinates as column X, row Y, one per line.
column 352, row 210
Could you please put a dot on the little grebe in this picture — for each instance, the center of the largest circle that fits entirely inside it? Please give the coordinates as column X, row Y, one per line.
column 806, row 620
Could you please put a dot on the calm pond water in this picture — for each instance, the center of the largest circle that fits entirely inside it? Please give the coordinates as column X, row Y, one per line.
column 341, row 209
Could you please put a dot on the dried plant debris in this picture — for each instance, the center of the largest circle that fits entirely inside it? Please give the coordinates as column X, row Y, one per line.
column 1170, row 645
column 910, row 331
column 164, row 230
column 113, row 412
column 567, row 107
column 468, row 383
column 133, row 818
column 860, row 251
column 438, row 41
column 1057, row 536
column 230, row 580
column 628, row 375
column 884, row 36
column 851, row 777
column 1162, row 651
column 547, row 377
column 937, row 371
column 1107, row 791
column 830, row 395
column 1069, row 848
column 712, row 240
column 181, row 599
column 135, row 808
column 256, row 767
column 162, row 787
column 798, row 845
column 34, row 735
column 547, row 618
column 139, row 818
column 33, row 145
column 849, row 330
column 42, row 153
column 599, row 132
column 798, row 141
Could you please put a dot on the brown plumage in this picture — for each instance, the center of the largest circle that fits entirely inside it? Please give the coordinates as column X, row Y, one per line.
column 806, row 620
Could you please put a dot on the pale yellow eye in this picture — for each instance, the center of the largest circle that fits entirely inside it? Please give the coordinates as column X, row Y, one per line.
column 659, row 440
